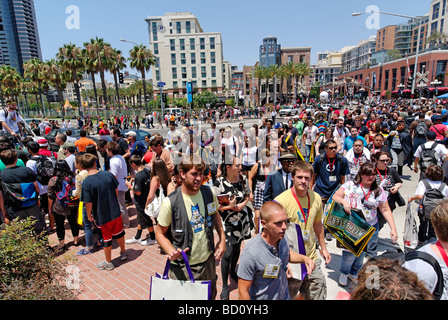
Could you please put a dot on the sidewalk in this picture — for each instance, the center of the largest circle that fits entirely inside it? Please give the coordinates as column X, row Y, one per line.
column 130, row 280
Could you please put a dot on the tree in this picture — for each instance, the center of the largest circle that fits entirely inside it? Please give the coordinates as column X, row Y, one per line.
column 10, row 82
column 118, row 63
column 259, row 74
column 142, row 59
column 201, row 99
column 100, row 54
column 70, row 59
column 289, row 70
column 58, row 79
column 34, row 71
column 302, row 70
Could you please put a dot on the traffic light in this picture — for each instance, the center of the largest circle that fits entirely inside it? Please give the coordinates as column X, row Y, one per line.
column 120, row 77
column 410, row 80
column 164, row 98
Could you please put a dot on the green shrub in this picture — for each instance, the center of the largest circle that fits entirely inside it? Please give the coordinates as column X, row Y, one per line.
column 29, row 269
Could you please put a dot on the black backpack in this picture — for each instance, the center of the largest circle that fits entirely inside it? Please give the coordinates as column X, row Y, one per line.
column 427, row 157
column 421, row 129
column 44, row 168
column 431, row 199
column 412, row 255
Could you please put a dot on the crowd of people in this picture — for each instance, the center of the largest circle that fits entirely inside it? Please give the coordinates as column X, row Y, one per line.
column 243, row 186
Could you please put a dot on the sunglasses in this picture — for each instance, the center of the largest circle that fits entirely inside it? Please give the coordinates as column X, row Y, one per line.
column 383, row 160
column 332, row 148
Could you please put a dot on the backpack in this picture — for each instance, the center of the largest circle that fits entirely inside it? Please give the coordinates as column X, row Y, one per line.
column 19, row 195
column 44, row 168
column 65, row 196
column 399, row 255
column 427, row 157
column 431, row 199
column 422, row 129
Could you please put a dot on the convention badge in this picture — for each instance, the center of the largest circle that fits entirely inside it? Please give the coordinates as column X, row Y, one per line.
column 333, row 178
column 211, row 207
column 305, row 235
column 271, row 271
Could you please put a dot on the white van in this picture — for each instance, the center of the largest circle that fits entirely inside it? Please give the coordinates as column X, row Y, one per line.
column 176, row 111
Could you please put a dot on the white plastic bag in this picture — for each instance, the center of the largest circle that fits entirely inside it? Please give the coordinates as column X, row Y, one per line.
column 410, row 237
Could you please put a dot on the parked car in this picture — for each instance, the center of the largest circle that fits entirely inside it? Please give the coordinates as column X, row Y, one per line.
column 51, row 137
column 288, row 111
column 141, row 134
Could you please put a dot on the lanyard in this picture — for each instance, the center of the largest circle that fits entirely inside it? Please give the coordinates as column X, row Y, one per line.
column 381, row 177
column 305, row 216
column 442, row 252
column 331, row 165
column 366, row 197
column 356, row 159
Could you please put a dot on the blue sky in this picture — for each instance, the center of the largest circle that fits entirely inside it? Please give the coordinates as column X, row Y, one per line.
column 322, row 25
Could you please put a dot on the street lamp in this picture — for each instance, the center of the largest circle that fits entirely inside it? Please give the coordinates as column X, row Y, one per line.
column 124, row 40
column 435, row 84
column 355, row 14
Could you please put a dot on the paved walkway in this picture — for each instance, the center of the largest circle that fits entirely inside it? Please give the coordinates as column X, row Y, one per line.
column 130, row 280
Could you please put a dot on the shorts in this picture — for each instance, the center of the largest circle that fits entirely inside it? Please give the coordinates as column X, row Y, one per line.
column 112, row 230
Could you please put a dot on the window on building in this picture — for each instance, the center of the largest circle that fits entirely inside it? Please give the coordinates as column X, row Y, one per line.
column 212, row 43
column 214, row 83
column 156, row 48
column 174, row 73
column 158, row 75
column 178, row 27
column 173, row 45
column 154, row 31
column 184, row 72
column 175, row 84
column 193, row 58
column 188, row 26
column 302, row 58
column 212, row 57
column 203, row 72
column 193, row 72
column 182, row 44
column 202, row 43
column 192, row 44
column 173, row 59
column 213, row 71
column 203, row 60
column 204, row 83
column 435, row 11
column 183, row 59
column 290, row 58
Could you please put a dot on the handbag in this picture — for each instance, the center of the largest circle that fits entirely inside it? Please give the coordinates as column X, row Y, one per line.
column 163, row 288
column 153, row 208
column 410, row 236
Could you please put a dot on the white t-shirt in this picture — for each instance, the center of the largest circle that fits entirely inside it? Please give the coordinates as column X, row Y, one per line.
column 250, row 156
column 440, row 150
column 11, row 120
column 119, row 169
column 230, row 143
column 310, row 134
column 354, row 163
column 71, row 162
column 421, row 189
column 32, row 165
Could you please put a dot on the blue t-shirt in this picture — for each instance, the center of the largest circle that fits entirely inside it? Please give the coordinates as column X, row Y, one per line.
column 348, row 142
column 324, row 170
column 137, row 148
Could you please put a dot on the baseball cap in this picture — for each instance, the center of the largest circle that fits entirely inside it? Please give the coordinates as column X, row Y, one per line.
column 431, row 135
column 42, row 143
column 131, row 133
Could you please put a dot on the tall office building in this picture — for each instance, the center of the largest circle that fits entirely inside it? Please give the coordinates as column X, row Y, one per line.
column 270, row 52
column 185, row 53
column 19, row 36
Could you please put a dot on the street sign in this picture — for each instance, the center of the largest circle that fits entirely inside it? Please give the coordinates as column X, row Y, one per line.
column 190, row 97
column 161, row 84
column 189, row 87
column 422, row 77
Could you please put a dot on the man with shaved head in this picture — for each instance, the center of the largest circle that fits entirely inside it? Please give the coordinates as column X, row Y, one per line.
column 264, row 261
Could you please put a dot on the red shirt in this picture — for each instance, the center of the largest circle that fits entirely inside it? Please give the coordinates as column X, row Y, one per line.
column 104, row 132
column 48, row 153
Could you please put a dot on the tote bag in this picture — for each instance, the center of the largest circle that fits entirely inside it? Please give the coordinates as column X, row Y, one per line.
column 410, row 236
column 153, row 208
column 163, row 288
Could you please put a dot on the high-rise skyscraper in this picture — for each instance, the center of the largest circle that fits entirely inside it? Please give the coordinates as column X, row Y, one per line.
column 19, row 36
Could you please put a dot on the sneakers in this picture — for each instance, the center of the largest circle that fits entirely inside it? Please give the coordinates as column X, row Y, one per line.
column 353, row 278
column 105, row 266
column 343, row 279
column 148, row 242
column 123, row 256
column 133, row 241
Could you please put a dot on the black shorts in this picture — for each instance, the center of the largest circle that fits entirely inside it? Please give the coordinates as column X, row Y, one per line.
column 143, row 219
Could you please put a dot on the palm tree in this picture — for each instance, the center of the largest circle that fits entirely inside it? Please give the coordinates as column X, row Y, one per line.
column 10, row 82
column 58, row 79
column 272, row 72
column 302, row 70
column 34, row 71
column 91, row 69
column 100, row 53
column 289, row 70
column 259, row 74
column 70, row 59
column 142, row 59
column 118, row 63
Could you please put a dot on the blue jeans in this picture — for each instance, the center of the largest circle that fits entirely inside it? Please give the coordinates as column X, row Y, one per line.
column 88, row 233
column 351, row 264
column 307, row 152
